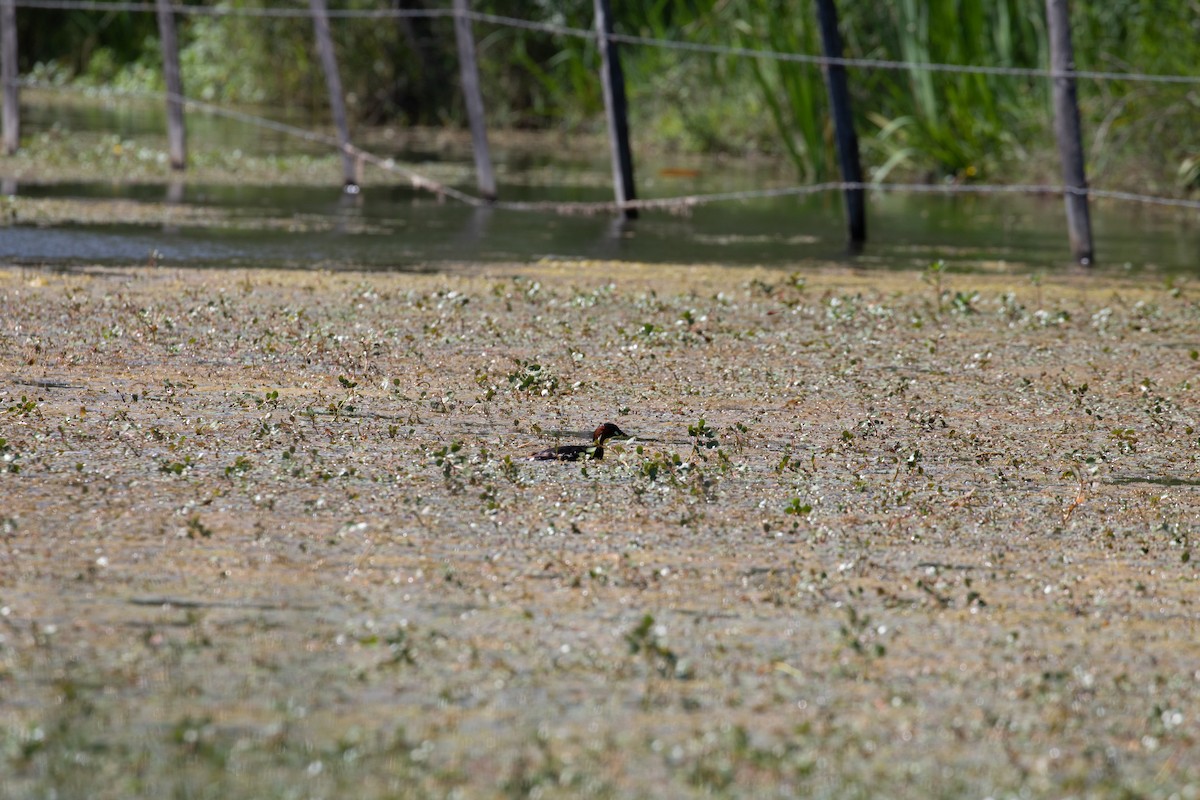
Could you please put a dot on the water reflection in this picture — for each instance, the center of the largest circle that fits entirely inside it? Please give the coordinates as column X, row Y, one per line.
column 394, row 226
column 475, row 231
column 397, row 227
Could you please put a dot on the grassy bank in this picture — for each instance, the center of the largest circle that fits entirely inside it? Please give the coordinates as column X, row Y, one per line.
column 914, row 123
column 272, row 534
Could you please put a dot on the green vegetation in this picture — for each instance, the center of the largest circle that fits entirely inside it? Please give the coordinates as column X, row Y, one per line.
column 270, row 537
column 914, row 122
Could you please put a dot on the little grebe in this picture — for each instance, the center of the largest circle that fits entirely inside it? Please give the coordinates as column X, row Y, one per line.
column 575, row 452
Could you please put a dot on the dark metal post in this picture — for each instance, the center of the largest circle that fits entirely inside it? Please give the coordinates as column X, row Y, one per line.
column 843, row 122
column 176, row 136
column 613, row 81
column 1067, row 130
column 8, row 76
column 333, row 80
column 484, row 176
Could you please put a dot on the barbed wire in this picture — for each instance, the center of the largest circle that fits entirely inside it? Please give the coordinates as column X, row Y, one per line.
column 418, row 181
column 228, row 11
column 889, row 64
column 677, row 203
column 689, row 201
column 646, row 41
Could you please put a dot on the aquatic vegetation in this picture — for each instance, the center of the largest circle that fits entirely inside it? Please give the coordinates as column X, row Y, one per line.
column 306, row 549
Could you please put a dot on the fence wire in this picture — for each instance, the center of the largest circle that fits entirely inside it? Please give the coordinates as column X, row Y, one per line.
column 678, row 203
column 228, row 11
column 674, row 204
column 588, row 33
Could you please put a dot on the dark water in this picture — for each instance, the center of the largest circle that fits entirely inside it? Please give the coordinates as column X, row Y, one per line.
column 397, row 228
column 407, row 230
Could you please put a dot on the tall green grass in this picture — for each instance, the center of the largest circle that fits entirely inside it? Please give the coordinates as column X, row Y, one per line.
column 953, row 124
column 937, row 125
column 793, row 92
column 934, row 123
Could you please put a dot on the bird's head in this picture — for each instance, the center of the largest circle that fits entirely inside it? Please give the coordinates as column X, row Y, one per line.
column 608, row 431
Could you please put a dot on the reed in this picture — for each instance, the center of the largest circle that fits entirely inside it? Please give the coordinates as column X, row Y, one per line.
column 939, row 125
column 954, row 124
column 794, row 93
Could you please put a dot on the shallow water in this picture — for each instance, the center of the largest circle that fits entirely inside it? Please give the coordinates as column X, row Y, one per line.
column 394, row 227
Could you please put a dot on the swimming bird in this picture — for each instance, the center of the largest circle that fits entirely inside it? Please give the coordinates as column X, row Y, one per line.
column 576, row 452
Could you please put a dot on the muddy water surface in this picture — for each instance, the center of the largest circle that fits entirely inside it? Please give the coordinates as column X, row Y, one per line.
column 272, row 532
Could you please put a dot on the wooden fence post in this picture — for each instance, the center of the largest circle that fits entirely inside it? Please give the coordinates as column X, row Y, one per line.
column 333, row 80
column 613, row 82
column 8, row 76
column 843, row 123
column 469, row 69
column 176, row 135
column 1067, row 130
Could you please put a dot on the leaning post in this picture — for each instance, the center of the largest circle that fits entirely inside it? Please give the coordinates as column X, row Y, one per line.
column 843, row 123
column 176, row 135
column 469, row 69
column 333, row 81
column 1068, row 131
column 8, row 76
column 612, row 80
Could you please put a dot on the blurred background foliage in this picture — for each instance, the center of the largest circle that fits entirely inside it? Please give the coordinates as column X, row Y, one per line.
column 916, row 123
